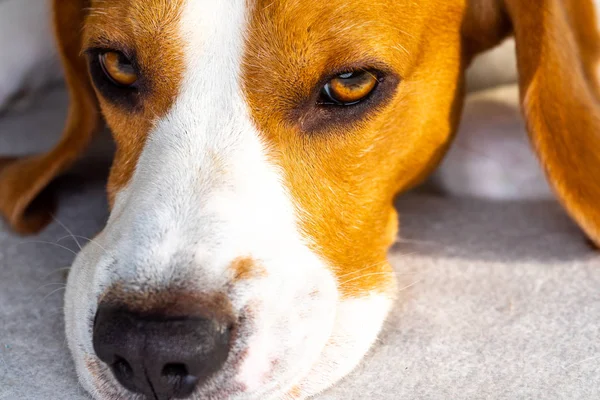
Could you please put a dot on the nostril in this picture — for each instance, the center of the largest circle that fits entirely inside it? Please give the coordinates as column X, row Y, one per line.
column 178, row 377
column 174, row 371
column 122, row 369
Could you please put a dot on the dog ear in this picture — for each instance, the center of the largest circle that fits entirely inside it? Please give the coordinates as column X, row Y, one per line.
column 557, row 55
column 24, row 197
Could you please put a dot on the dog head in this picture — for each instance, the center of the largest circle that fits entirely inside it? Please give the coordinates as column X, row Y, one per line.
column 260, row 145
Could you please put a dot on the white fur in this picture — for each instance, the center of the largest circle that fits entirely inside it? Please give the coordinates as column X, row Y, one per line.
column 357, row 325
column 492, row 156
column 27, row 46
column 203, row 194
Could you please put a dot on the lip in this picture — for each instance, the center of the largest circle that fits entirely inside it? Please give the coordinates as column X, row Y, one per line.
column 223, row 394
column 107, row 387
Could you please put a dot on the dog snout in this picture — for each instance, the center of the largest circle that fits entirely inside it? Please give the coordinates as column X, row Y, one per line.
column 162, row 357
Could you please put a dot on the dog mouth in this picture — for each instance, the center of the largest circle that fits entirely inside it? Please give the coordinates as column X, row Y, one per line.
column 225, row 384
column 106, row 386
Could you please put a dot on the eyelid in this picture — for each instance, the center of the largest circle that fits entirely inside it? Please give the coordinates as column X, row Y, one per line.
column 374, row 72
column 380, row 69
column 96, row 50
column 102, row 43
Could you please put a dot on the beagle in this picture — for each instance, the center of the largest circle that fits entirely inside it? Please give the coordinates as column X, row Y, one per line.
column 260, row 145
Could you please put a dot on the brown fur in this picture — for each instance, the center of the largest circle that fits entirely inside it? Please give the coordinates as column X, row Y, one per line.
column 557, row 61
column 244, row 268
column 343, row 177
column 170, row 303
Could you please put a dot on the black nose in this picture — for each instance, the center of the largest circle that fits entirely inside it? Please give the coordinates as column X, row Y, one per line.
column 162, row 358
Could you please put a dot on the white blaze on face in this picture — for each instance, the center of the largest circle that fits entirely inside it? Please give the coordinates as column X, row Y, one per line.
column 204, row 179
column 204, row 193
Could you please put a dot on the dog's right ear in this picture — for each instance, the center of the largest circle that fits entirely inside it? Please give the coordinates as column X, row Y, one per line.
column 558, row 53
column 24, row 197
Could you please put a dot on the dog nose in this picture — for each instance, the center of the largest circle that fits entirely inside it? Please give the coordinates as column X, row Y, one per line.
column 160, row 357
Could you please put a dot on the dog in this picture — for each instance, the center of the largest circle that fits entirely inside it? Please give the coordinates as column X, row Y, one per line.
column 259, row 147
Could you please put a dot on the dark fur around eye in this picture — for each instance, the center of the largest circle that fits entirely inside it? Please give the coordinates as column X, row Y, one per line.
column 316, row 114
column 129, row 97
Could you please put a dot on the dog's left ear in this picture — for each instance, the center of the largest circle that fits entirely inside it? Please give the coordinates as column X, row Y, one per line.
column 558, row 50
column 24, row 199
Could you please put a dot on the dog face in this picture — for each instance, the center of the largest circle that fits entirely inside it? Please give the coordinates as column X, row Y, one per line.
column 259, row 147
column 237, row 177
column 230, row 169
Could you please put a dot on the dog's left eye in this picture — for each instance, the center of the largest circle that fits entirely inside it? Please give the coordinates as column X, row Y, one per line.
column 118, row 68
column 349, row 88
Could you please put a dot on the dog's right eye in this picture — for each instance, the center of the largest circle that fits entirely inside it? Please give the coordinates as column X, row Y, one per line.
column 116, row 77
column 118, row 68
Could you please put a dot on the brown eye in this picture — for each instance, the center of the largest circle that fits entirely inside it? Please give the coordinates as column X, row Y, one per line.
column 118, row 68
column 349, row 88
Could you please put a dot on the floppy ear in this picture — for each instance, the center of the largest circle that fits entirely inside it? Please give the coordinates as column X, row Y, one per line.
column 557, row 55
column 24, row 199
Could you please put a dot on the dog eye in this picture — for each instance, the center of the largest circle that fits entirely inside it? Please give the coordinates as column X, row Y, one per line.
column 349, row 88
column 118, row 68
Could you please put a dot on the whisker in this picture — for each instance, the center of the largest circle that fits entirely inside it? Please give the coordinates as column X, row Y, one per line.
column 580, row 362
column 68, row 231
column 52, row 292
column 44, row 242
column 405, row 33
column 57, row 311
column 366, row 275
column 401, row 48
column 445, row 247
column 55, row 271
column 84, row 238
column 411, row 285
column 62, row 284
column 376, row 265
column 416, row 241
column 362, row 269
